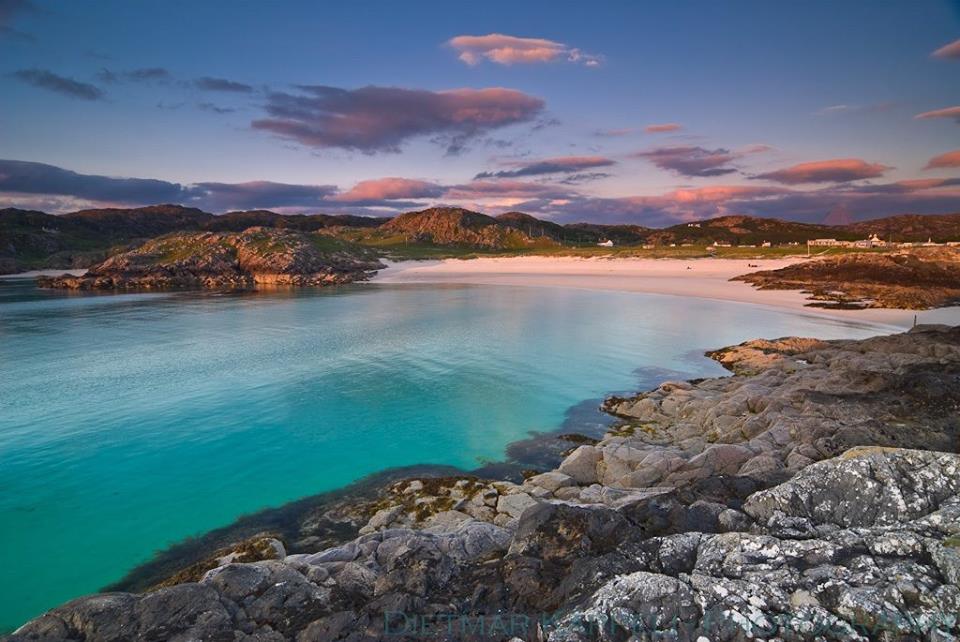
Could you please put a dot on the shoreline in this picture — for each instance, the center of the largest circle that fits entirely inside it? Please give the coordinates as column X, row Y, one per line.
column 643, row 507
column 705, row 278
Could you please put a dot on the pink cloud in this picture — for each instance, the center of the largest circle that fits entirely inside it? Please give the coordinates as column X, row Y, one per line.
column 372, row 119
column 926, row 183
column 838, row 170
column 951, row 50
column 510, row 50
column 946, row 112
column 950, row 159
column 389, row 188
column 663, row 128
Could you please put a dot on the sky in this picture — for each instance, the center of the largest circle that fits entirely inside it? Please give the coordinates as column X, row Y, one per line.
column 650, row 113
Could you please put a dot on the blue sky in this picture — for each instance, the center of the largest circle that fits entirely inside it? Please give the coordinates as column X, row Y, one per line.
column 798, row 110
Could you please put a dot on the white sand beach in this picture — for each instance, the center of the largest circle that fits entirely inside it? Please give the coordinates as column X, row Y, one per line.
column 705, row 278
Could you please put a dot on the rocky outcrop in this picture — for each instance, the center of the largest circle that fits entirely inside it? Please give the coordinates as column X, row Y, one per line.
column 457, row 226
column 915, row 279
column 792, row 501
column 223, row 260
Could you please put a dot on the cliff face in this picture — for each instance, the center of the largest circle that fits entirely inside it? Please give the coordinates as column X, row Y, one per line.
column 215, row 260
column 788, row 502
column 917, row 279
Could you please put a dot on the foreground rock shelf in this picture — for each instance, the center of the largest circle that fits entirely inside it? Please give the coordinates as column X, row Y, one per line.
column 815, row 494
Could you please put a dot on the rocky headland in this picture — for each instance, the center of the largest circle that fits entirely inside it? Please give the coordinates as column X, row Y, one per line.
column 814, row 494
column 256, row 256
column 915, row 279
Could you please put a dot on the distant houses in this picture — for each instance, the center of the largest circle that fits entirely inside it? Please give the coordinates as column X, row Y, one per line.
column 607, row 243
column 872, row 242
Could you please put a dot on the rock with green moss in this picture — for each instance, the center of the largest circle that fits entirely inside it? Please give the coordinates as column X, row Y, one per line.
column 255, row 257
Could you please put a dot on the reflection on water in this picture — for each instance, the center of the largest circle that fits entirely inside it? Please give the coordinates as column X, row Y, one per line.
column 131, row 421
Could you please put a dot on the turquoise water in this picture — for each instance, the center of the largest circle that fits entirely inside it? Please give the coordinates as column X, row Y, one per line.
column 128, row 422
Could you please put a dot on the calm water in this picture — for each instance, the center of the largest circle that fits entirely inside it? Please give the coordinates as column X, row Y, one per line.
column 128, row 422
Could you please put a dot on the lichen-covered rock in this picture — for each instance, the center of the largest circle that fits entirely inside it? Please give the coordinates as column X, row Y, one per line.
column 864, row 487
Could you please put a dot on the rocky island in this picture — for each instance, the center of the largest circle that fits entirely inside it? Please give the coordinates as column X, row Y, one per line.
column 915, row 279
column 814, row 494
column 256, row 256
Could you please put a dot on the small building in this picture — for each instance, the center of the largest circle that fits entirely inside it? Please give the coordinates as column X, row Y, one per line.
column 766, row 244
column 607, row 243
column 824, row 243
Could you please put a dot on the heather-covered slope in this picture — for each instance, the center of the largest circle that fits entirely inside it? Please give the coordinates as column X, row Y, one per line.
column 457, row 226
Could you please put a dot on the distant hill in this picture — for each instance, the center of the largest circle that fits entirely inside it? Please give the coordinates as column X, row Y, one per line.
column 141, row 222
column 619, row 234
column 744, row 230
column 910, row 228
column 535, row 227
column 456, row 226
column 239, row 221
column 35, row 240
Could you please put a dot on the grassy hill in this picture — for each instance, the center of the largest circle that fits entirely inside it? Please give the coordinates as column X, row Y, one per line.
column 455, row 226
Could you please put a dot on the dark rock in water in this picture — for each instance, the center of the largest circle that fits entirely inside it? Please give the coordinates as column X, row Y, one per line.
column 774, row 505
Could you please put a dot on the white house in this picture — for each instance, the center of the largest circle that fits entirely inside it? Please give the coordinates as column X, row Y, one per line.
column 607, row 243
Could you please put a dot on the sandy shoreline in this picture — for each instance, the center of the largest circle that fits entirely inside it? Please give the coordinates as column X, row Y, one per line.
column 704, row 278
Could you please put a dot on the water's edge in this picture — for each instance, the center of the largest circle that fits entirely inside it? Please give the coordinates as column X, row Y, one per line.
column 541, row 451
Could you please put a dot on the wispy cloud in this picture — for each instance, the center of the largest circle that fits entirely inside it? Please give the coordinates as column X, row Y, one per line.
column 146, row 74
column 843, row 109
column 558, row 165
column 614, row 133
column 208, row 83
column 376, row 119
column 837, row 170
column 951, row 50
column 952, row 113
column 663, row 128
column 9, row 10
column 215, row 109
column 512, row 50
column 45, row 79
